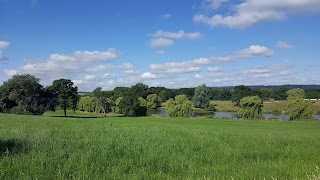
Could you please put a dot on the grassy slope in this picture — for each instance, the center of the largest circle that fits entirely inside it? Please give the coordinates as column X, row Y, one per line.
column 156, row 148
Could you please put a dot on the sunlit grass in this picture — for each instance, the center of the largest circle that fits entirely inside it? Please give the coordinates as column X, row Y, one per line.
column 35, row 147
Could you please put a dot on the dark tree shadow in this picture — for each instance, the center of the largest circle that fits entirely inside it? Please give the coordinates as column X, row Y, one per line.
column 12, row 147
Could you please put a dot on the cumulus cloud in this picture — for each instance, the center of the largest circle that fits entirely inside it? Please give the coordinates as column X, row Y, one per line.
column 161, row 42
column 250, row 12
column 68, row 66
column 255, row 50
column 148, row 75
column 283, row 45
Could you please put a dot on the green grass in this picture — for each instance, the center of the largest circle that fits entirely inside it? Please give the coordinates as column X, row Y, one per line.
column 37, row 147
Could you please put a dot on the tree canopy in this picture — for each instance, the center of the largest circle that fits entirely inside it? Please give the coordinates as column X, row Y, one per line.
column 202, row 96
column 298, row 108
column 251, row 107
column 23, row 94
column 181, row 106
column 65, row 92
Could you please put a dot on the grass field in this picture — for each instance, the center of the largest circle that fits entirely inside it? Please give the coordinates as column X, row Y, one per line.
column 44, row 147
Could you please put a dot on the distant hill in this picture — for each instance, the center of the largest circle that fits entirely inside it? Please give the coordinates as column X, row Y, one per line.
column 289, row 86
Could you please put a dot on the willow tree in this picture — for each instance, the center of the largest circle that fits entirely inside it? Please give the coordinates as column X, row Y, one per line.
column 298, row 108
column 181, row 106
column 251, row 107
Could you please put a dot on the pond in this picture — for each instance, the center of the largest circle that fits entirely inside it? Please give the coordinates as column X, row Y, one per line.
column 225, row 114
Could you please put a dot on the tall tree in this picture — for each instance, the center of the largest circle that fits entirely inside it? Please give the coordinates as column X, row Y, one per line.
column 65, row 92
column 140, row 90
column 240, row 92
column 202, row 96
column 282, row 92
column 298, row 108
column 23, row 94
column 102, row 98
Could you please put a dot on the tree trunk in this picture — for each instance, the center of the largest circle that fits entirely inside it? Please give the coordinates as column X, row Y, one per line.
column 65, row 109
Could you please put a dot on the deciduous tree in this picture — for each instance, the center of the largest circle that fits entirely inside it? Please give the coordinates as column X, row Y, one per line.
column 298, row 108
column 65, row 92
column 181, row 106
column 202, row 96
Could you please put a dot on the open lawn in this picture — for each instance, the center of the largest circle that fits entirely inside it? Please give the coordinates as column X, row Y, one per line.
column 44, row 147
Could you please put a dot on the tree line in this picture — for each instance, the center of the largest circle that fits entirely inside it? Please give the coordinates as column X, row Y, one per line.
column 23, row 94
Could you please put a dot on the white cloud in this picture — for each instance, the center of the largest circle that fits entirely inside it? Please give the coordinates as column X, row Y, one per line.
column 195, row 65
column 214, row 69
column 283, row 45
column 198, row 76
column 177, row 35
column 10, row 72
column 89, row 77
column 161, row 42
column 109, row 76
column 4, row 44
column 251, row 12
column 86, row 56
column 69, row 66
column 148, row 75
column 255, row 50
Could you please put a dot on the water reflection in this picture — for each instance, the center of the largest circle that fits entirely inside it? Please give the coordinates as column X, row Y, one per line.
column 225, row 115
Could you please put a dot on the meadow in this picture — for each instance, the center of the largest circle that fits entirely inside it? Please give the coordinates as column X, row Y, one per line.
column 93, row 147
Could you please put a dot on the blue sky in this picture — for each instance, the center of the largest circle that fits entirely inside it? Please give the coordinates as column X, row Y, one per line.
column 171, row 43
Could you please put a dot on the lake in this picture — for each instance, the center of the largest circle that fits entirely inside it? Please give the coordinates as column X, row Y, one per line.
column 225, row 114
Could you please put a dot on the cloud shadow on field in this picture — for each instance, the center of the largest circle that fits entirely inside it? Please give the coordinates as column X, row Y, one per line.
column 13, row 147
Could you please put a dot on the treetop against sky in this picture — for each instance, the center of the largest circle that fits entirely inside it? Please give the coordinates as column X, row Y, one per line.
column 108, row 43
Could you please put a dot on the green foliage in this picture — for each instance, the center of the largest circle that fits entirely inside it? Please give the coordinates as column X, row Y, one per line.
column 130, row 106
column 22, row 94
column 202, row 96
column 65, row 92
column 240, row 92
column 102, row 97
column 153, row 101
column 117, row 108
column 139, row 90
column 211, row 107
column 90, row 104
column 282, row 92
column 165, row 95
column 298, row 108
column 189, row 92
column 142, row 102
column 180, row 107
column 251, row 107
